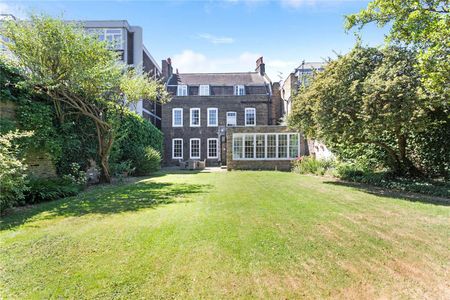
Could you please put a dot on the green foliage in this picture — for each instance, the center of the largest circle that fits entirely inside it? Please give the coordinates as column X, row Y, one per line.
column 150, row 161
column 13, row 182
column 430, row 147
column 122, row 168
column 79, row 74
column 41, row 190
column 311, row 165
column 7, row 125
column 32, row 113
column 79, row 143
column 422, row 24
column 76, row 175
column 134, row 135
column 354, row 173
column 39, row 117
column 369, row 102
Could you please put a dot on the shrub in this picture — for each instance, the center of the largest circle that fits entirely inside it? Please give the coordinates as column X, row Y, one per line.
column 150, row 161
column 348, row 171
column 354, row 173
column 76, row 175
column 122, row 168
column 13, row 182
column 134, row 135
column 41, row 190
column 311, row 165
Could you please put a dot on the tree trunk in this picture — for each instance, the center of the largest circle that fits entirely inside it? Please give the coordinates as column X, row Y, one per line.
column 396, row 161
column 105, row 140
column 105, row 133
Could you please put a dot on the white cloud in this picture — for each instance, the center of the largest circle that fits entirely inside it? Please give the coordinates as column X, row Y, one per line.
column 216, row 39
column 189, row 61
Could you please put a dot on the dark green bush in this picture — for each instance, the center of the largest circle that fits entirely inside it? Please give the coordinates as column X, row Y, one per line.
column 134, row 135
column 41, row 190
column 150, row 161
column 352, row 173
column 122, row 168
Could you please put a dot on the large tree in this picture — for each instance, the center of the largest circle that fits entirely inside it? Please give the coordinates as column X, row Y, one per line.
column 367, row 97
column 424, row 24
column 80, row 74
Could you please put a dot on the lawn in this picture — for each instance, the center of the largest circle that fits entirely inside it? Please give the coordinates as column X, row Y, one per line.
column 227, row 235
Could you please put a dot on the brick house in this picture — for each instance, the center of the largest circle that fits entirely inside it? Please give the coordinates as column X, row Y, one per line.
column 206, row 105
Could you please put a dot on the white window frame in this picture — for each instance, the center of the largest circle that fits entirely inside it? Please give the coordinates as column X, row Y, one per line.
column 235, row 118
column 112, row 36
column 238, row 88
column 217, row 117
column 182, row 90
column 199, row 148
column 217, row 148
column 199, row 117
column 173, row 117
column 245, row 116
column 242, row 137
column 204, row 90
column 173, row 149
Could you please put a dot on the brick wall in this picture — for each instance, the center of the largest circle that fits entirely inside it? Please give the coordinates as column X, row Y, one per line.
column 276, row 104
column 282, row 165
column 39, row 163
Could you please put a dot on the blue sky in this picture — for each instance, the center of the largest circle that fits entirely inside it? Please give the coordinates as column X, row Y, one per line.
column 225, row 36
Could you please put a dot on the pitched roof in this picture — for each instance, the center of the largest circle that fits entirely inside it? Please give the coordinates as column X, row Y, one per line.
column 227, row 79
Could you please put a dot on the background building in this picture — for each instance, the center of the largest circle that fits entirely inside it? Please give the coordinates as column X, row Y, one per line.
column 291, row 87
column 128, row 41
column 295, row 80
column 207, row 105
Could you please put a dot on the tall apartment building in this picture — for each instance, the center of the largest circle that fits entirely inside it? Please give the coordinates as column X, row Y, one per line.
column 128, row 41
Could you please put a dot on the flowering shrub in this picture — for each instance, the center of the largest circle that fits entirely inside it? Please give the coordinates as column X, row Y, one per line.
column 76, row 175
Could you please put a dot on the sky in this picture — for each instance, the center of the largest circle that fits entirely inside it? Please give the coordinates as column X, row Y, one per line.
column 228, row 35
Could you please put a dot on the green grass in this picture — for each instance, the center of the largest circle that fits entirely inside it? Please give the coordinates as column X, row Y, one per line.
column 226, row 235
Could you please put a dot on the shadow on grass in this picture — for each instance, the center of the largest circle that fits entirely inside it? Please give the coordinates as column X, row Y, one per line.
column 390, row 193
column 107, row 200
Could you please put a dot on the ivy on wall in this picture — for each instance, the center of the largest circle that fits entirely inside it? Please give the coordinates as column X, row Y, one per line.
column 74, row 140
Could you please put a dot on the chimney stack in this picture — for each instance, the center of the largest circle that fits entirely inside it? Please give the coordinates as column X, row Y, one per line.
column 167, row 69
column 260, row 66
